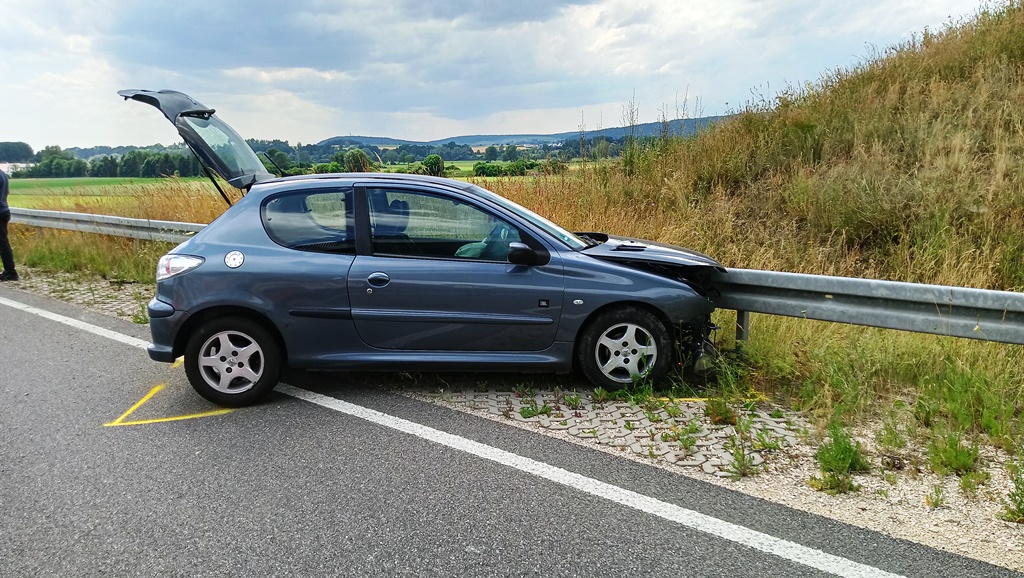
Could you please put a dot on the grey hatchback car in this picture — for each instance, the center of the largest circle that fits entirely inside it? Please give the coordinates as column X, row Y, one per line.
column 381, row 271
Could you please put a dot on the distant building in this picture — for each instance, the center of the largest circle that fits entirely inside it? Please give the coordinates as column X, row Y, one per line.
column 14, row 167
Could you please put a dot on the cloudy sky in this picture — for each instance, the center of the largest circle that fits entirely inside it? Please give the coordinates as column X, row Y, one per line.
column 307, row 70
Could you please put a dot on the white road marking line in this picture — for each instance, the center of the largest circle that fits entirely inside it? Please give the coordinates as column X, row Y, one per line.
column 689, row 518
column 94, row 329
column 733, row 532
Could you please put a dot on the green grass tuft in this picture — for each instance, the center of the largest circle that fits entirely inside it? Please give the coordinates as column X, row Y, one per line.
column 839, row 458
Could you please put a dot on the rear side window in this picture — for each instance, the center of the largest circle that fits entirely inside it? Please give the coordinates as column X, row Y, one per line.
column 320, row 222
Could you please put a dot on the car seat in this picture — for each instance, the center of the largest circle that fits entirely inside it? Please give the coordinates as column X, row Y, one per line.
column 392, row 222
column 389, row 230
column 289, row 221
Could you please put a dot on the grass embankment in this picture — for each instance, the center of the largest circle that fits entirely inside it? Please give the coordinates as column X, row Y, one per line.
column 906, row 167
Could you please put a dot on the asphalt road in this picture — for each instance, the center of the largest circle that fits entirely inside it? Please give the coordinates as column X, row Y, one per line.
column 334, row 479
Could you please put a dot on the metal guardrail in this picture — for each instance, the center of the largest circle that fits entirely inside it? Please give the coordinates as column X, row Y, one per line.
column 936, row 309
column 120, row 226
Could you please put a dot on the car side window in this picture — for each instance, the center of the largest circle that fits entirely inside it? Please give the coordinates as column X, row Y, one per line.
column 318, row 221
column 417, row 223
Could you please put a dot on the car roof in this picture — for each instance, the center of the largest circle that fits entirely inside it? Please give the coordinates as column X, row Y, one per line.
column 347, row 179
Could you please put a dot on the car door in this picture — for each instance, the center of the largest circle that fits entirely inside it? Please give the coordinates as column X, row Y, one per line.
column 315, row 229
column 437, row 277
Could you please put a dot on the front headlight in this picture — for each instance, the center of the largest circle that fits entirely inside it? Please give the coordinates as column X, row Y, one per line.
column 171, row 265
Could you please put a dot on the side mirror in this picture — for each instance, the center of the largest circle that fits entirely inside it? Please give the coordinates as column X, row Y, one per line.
column 521, row 254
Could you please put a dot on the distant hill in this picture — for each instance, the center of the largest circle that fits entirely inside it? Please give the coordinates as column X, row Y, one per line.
column 682, row 127
column 679, row 127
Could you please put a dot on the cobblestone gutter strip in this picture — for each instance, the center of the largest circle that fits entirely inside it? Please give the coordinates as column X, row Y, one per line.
column 781, row 452
column 123, row 300
column 675, row 432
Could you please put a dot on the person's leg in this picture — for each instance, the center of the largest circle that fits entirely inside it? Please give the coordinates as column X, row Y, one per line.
column 6, row 255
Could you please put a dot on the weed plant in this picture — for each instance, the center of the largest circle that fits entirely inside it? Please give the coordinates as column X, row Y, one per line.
column 1014, row 503
column 936, row 497
column 532, row 410
column 839, row 458
column 891, row 436
column 766, row 441
column 742, row 464
column 948, row 454
column 970, row 482
column 601, row 395
column 719, row 412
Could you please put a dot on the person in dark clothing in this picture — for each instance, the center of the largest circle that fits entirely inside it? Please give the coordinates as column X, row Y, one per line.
column 6, row 255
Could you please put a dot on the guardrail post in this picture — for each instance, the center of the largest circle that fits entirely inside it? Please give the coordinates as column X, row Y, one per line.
column 742, row 326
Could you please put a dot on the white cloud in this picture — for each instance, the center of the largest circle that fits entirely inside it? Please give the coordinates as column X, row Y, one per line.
column 279, row 75
column 313, row 69
column 274, row 113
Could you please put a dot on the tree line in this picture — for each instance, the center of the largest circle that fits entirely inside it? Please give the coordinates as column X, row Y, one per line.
column 53, row 162
column 333, row 155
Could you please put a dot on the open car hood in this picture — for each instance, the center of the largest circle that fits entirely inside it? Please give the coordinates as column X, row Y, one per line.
column 625, row 249
column 216, row 143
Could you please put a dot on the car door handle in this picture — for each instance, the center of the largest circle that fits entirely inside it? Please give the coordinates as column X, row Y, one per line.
column 378, row 279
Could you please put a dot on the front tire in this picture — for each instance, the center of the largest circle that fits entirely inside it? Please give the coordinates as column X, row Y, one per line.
column 622, row 346
column 232, row 361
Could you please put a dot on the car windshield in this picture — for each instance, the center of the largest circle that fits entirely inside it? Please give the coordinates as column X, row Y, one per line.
column 552, row 229
column 233, row 151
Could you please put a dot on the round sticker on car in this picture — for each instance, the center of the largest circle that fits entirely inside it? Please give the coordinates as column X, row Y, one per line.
column 234, row 259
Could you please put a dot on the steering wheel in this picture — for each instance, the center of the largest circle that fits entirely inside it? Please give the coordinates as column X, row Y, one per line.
column 499, row 233
column 496, row 242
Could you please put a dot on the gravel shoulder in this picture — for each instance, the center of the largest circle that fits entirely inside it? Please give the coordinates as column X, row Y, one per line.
column 890, row 501
column 780, row 446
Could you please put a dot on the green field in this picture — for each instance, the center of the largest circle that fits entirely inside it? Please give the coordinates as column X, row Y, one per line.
column 39, row 186
column 89, row 194
column 465, row 168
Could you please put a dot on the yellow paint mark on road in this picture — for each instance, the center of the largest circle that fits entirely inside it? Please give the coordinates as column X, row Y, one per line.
column 178, row 362
column 121, row 420
column 752, row 395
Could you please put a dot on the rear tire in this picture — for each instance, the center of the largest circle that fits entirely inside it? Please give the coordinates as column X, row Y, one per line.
column 623, row 346
column 232, row 361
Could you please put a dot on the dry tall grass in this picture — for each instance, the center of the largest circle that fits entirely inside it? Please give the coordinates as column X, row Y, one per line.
column 112, row 257
column 907, row 167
